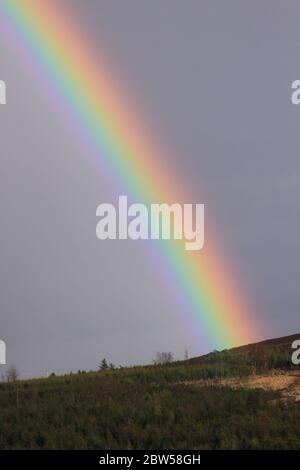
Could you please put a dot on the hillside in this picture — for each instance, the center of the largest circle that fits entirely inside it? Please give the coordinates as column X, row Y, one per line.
column 283, row 343
column 280, row 345
column 225, row 400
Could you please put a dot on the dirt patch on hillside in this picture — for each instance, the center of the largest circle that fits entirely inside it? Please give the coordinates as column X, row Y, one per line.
column 288, row 383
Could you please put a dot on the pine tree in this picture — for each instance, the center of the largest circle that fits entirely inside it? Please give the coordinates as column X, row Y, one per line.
column 103, row 365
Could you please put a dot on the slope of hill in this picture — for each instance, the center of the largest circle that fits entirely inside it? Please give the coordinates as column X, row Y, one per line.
column 214, row 402
column 283, row 343
column 280, row 345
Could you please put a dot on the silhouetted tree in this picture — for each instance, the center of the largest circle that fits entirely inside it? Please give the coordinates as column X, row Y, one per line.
column 11, row 374
column 103, row 365
column 163, row 357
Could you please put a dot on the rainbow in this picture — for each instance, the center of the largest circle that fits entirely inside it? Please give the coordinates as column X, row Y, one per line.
column 79, row 80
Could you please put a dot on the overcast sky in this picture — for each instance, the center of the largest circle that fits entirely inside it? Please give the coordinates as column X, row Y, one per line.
column 212, row 80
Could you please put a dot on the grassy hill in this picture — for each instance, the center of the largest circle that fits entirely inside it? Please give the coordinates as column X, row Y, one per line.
column 203, row 403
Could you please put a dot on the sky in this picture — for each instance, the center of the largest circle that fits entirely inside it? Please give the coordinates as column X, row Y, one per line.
column 212, row 82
